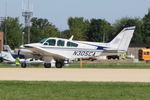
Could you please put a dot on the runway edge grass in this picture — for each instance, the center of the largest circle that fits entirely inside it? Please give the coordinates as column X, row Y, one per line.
column 91, row 65
column 21, row 90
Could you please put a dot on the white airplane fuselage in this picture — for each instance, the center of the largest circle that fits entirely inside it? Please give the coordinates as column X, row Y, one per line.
column 59, row 48
column 83, row 50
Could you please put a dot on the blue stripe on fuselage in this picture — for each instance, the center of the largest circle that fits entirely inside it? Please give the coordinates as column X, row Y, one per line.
column 98, row 47
column 101, row 48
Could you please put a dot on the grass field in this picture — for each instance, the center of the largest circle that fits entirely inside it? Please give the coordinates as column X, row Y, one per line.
column 112, row 65
column 93, row 65
column 13, row 90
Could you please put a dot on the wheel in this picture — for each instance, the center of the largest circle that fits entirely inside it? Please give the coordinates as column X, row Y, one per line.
column 108, row 57
column 47, row 65
column 59, row 65
column 23, row 65
column 1, row 59
column 91, row 59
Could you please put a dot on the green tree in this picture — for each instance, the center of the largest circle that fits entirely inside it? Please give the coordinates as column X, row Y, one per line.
column 146, row 28
column 99, row 30
column 65, row 34
column 42, row 28
column 78, row 27
column 13, row 31
column 125, row 22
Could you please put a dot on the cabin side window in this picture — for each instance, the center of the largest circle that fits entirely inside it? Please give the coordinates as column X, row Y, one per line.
column 71, row 44
column 60, row 43
column 50, row 42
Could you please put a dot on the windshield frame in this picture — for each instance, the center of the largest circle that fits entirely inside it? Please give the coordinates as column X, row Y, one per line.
column 43, row 40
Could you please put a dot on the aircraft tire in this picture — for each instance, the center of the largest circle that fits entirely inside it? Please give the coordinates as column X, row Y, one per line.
column 47, row 65
column 59, row 65
column 23, row 65
column 1, row 59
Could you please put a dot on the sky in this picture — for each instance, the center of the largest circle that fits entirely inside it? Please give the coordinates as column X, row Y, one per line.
column 58, row 11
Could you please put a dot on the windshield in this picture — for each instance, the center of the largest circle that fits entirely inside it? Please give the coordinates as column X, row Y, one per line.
column 43, row 40
column 50, row 42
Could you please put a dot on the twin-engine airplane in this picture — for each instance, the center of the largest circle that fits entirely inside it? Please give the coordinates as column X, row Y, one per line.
column 64, row 49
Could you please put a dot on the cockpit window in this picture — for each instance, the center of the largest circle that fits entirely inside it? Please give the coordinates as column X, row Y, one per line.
column 50, row 42
column 43, row 40
column 60, row 43
column 71, row 44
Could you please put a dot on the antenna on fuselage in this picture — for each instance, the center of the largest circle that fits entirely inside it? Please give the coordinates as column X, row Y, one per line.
column 71, row 38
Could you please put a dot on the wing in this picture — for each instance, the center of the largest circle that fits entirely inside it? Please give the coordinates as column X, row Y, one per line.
column 38, row 52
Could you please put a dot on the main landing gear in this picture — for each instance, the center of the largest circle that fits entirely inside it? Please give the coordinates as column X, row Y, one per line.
column 58, row 64
column 23, row 65
column 47, row 65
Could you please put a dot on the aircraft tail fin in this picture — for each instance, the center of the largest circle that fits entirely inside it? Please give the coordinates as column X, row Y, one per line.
column 122, row 40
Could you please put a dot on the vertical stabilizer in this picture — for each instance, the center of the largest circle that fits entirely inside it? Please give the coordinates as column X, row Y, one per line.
column 122, row 40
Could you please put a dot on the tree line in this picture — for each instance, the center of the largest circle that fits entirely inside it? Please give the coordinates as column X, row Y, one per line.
column 96, row 30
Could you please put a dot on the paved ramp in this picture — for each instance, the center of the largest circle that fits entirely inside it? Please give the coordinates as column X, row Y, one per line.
column 91, row 75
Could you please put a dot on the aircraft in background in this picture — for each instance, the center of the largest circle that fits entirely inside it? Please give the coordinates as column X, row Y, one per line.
column 9, row 56
column 65, row 49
